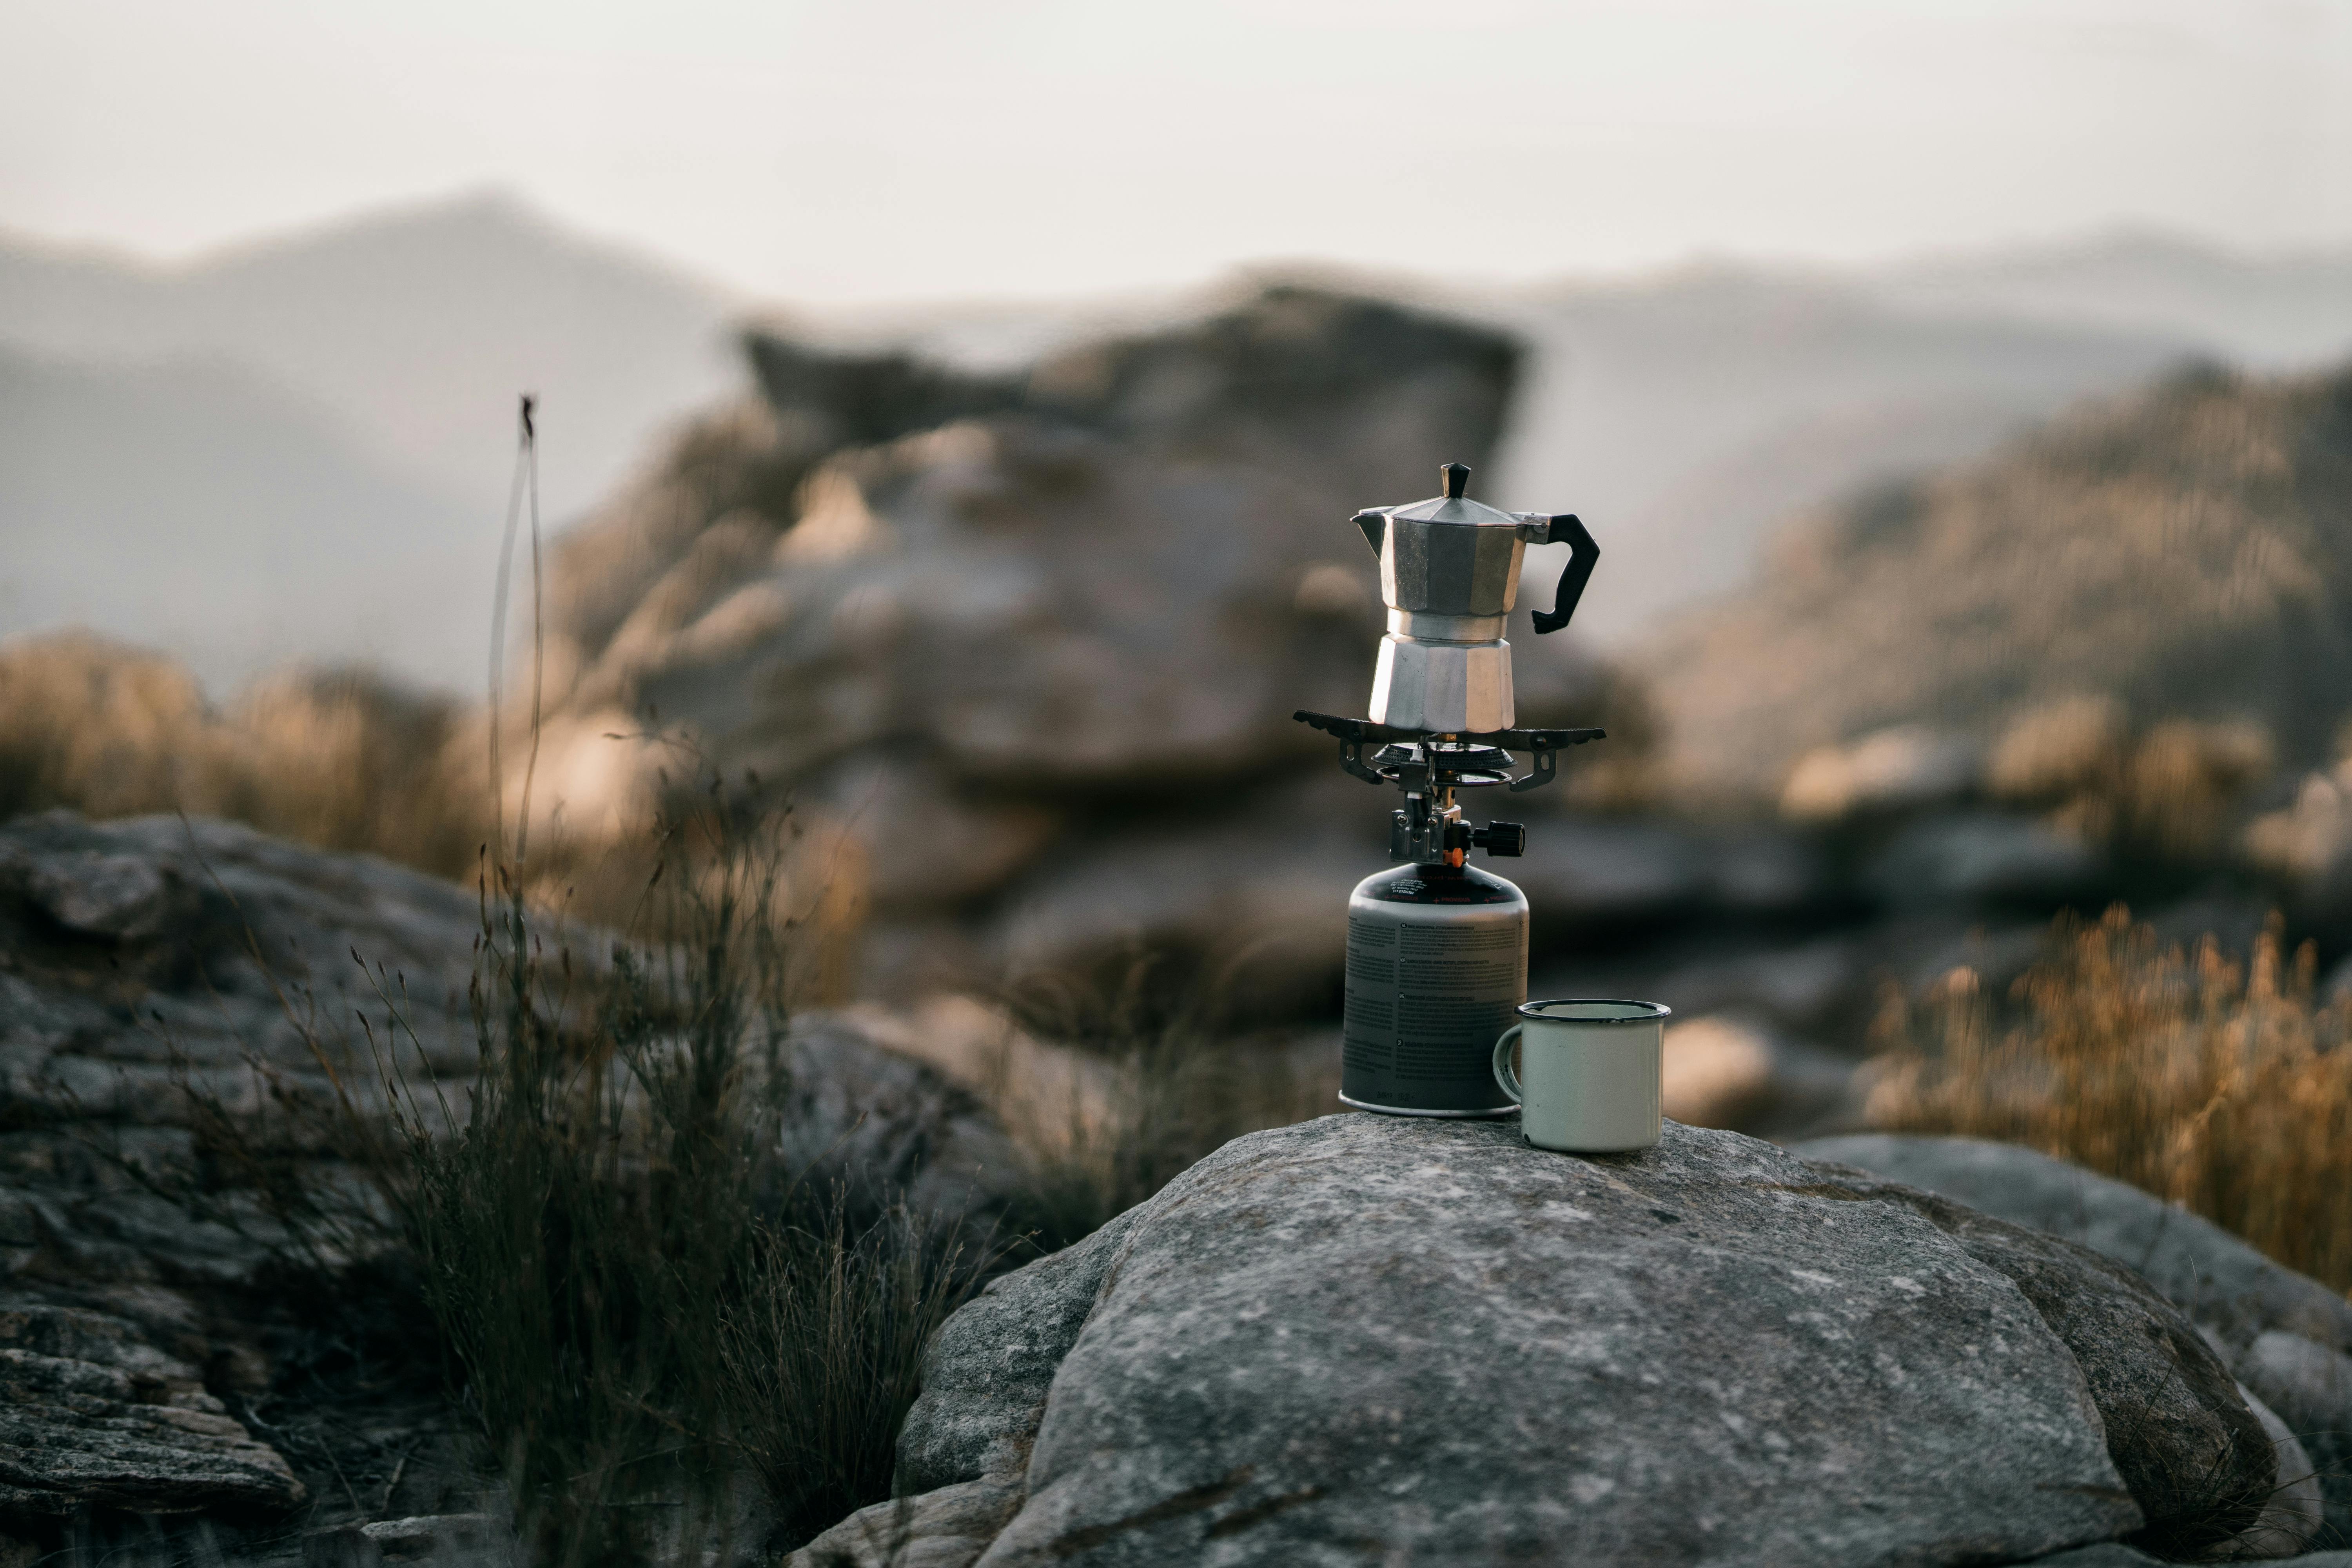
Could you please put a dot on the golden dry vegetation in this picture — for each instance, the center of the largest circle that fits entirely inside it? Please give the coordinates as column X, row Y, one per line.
column 341, row 759
column 2219, row 1082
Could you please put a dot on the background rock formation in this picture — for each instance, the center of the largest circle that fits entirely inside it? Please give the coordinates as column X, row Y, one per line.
column 2180, row 552
column 1024, row 638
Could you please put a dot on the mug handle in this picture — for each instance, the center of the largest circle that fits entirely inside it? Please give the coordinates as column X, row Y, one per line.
column 1502, row 1073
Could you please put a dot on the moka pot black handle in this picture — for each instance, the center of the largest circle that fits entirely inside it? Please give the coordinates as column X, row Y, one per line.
column 1584, row 555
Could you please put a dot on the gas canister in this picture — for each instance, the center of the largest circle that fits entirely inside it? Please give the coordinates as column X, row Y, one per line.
column 1437, row 963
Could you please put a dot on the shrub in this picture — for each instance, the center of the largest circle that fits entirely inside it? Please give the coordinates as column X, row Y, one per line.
column 340, row 758
column 2217, row 1083
column 642, row 1300
column 820, row 1354
column 107, row 729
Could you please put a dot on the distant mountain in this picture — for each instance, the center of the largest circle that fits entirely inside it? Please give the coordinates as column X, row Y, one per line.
column 415, row 328
column 2186, row 551
column 1685, row 417
column 2278, row 313
column 194, row 506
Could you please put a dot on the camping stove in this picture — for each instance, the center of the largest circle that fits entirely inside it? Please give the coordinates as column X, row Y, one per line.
column 1437, row 949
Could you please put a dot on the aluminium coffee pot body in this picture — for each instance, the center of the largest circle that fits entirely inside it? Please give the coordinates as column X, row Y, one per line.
column 1450, row 573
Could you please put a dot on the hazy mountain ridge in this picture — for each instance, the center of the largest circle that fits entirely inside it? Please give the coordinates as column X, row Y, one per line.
column 1686, row 417
column 2280, row 312
column 175, row 503
column 416, row 326
column 2186, row 551
column 1684, row 414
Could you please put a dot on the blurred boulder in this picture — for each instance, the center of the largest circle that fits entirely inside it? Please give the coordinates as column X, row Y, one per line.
column 1728, row 1071
column 2058, row 749
column 1580, row 871
column 1252, row 901
column 1148, row 542
column 1764, row 871
column 928, row 843
column 1977, row 857
column 1047, row 1095
column 1804, row 987
column 882, row 1127
column 1032, row 643
column 2306, row 843
column 1890, row 769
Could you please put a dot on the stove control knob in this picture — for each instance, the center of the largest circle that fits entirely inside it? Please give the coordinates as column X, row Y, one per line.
column 1502, row 838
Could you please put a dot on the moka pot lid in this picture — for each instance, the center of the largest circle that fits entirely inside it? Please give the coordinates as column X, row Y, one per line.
column 1454, row 506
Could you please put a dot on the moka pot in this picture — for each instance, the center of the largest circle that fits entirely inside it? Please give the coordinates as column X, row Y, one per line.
column 1449, row 574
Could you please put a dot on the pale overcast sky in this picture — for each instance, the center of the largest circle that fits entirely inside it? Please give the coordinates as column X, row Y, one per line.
column 889, row 149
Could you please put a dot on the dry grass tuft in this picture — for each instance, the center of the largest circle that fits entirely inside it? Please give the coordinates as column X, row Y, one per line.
column 644, row 1298
column 2217, row 1083
column 340, row 758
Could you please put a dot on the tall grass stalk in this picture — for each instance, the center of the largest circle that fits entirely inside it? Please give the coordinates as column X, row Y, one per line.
column 2215, row 1081
column 644, row 1300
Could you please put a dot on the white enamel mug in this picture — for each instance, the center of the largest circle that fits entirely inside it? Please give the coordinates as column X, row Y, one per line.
column 1589, row 1073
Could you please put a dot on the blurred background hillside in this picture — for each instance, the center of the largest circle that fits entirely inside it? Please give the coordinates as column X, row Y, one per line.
column 954, row 426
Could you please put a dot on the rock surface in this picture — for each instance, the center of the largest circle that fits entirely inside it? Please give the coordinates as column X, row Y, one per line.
column 2294, row 1514
column 92, row 1414
column 948, row 1528
column 889, row 1129
column 2203, row 1269
column 155, row 969
column 1368, row 1335
column 2285, row 1336
column 160, row 979
column 441, row 1540
column 2198, row 1458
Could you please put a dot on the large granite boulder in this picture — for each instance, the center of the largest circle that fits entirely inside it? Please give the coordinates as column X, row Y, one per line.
column 1414, row 1339
column 1013, row 637
column 2286, row 1337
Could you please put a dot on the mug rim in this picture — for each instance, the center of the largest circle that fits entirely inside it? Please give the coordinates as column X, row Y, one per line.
column 1653, row 1012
